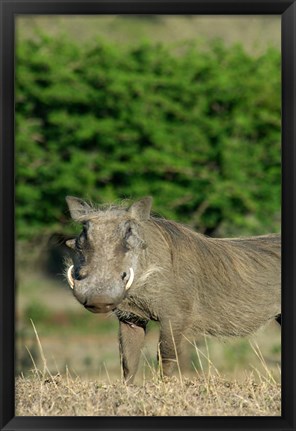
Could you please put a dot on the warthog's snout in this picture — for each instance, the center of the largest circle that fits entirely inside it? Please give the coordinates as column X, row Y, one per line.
column 99, row 299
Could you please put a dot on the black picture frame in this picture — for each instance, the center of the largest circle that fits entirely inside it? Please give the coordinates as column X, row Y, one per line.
column 9, row 9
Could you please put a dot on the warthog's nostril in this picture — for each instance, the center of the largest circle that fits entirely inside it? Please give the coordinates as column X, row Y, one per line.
column 123, row 275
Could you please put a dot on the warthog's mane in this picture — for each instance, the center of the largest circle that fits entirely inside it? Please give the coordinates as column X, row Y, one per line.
column 235, row 255
column 176, row 232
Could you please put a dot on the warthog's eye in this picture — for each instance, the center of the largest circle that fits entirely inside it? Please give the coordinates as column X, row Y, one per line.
column 131, row 237
column 127, row 236
column 128, row 233
column 78, row 244
column 80, row 241
column 84, row 231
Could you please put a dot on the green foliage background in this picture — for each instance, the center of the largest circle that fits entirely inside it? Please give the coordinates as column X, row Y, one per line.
column 196, row 127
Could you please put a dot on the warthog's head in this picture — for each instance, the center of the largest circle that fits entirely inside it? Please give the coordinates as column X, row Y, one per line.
column 108, row 251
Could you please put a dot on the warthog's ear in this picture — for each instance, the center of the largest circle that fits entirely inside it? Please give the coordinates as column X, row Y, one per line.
column 140, row 210
column 78, row 208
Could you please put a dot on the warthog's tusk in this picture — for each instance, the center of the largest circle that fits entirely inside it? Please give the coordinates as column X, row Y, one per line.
column 130, row 280
column 69, row 277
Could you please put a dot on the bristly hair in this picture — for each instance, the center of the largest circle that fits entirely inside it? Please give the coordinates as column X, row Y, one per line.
column 119, row 207
column 95, row 210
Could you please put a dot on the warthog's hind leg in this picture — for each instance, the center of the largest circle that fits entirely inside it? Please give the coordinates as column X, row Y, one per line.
column 169, row 348
column 131, row 341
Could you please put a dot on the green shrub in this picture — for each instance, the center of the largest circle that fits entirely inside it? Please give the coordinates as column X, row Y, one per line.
column 199, row 129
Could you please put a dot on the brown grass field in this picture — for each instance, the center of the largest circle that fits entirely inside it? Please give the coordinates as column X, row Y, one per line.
column 207, row 394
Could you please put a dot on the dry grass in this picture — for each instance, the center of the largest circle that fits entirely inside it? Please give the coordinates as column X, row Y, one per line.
column 207, row 394
column 203, row 396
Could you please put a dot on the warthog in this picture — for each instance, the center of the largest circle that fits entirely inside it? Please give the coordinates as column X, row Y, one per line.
column 147, row 268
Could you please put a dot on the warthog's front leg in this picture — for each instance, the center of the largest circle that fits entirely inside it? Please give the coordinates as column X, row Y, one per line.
column 169, row 347
column 131, row 341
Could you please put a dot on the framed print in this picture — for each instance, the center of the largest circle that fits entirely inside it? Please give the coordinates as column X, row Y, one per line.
column 148, row 170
